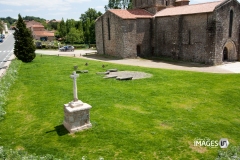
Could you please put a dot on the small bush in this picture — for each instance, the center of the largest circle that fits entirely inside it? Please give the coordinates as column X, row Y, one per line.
column 43, row 46
column 92, row 45
column 5, row 83
column 232, row 153
column 80, row 46
column 6, row 154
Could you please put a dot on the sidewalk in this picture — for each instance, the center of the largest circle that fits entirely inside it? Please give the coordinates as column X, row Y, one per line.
column 3, row 70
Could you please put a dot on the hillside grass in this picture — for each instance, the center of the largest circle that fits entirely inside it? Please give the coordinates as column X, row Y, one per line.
column 152, row 118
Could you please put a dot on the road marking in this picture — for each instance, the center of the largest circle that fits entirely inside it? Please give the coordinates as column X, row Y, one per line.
column 7, row 57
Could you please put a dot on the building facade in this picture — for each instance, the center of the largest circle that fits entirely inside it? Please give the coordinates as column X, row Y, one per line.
column 206, row 33
column 39, row 32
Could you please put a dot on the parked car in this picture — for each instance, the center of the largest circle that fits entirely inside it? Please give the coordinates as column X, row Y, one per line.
column 66, row 48
column 2, row 36
column 1, row 40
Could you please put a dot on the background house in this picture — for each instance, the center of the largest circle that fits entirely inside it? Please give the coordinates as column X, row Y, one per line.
column 39, row 32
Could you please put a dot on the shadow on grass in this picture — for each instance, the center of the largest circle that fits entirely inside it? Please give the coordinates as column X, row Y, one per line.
column 61, row 130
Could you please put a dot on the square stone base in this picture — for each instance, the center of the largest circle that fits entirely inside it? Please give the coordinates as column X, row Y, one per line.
column 77, row 118
column 73, row 129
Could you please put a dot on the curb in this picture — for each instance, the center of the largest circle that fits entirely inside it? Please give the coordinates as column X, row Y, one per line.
column 7, row 64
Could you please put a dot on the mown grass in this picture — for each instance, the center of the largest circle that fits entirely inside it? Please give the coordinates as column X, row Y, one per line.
column 153, row 118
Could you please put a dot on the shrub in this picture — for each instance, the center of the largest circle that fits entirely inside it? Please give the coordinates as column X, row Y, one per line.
column 20, row 155
column 232, row 153
column 5, row 84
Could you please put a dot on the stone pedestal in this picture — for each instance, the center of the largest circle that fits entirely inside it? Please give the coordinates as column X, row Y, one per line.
column 77, row 116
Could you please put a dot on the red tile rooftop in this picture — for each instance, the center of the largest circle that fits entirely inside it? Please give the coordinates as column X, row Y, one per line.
column 43, row 33
column 34, row 26
column 189, row 9
column 131, row 14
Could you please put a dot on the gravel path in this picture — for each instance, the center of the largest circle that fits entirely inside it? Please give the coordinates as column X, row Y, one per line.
column 229, row 67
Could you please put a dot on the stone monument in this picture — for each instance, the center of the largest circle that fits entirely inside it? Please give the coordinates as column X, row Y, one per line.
column 76, row 113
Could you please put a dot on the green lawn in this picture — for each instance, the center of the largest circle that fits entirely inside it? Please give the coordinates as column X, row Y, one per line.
column 153, row 118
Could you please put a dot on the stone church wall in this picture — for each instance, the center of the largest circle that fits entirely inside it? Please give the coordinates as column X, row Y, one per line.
column 143, row 39
column 129, row 38
column 222, row 14
column 183, row 37
column 116, row 36
column 111, row 41
column 99, row 35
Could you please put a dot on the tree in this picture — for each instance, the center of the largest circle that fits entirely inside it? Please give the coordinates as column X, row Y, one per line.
column 24, row 48
column 8, row 20
column 62, row 29
column 1, row 27
column 87, row 31
column 88, row 21
column 52, row 25
column 119, row 4
column 70, row 23
column 75, row 35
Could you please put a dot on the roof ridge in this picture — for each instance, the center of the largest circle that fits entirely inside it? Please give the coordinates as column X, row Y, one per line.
column 196, row 4
column 205, row 3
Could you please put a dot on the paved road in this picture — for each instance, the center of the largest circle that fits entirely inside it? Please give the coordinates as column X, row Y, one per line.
column 6, row 49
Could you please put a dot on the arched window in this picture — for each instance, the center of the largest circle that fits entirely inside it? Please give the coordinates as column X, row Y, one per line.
column 230, row 23
column 109, row 30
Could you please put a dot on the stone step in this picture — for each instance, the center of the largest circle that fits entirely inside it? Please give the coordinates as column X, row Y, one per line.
column 112, row 70
column 124, row 78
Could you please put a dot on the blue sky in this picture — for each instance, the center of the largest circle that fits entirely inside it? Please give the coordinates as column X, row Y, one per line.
column 55, row 9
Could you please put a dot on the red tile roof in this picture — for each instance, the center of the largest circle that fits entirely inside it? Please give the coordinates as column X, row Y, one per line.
column 30, row 23
column 43, row 33
column 37, row 26
column 189, row 9
column 131, row 14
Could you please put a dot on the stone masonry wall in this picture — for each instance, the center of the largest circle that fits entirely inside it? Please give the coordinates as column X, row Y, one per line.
column 222, row 14
column 129, row 38
column 144, row 32
column 184, row 37
column 109, row 44
column 122, row 39
column 99, row 35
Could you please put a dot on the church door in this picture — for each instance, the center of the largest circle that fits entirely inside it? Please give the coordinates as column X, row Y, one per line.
column 225, row 54
column 138, row 50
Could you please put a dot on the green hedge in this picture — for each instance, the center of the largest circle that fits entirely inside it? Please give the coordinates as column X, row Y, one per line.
column 232, row 153
column 5, row 83
column 9, row 154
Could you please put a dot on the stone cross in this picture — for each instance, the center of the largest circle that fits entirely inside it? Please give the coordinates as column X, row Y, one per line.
column 74, row 77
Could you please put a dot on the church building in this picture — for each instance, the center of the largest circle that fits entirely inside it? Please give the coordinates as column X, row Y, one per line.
column 205, row 33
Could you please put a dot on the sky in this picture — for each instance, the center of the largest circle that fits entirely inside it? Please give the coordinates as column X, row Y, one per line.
column 56, row 9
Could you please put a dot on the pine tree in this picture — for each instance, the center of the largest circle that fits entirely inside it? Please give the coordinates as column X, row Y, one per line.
column 24, row 48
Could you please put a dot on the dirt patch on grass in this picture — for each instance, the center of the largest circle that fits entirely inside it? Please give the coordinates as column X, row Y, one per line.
column 132, row 108
column 197, row 148
column 162, row 125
